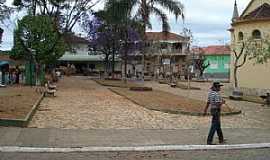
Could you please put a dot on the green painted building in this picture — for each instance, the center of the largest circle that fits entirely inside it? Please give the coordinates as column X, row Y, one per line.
column 219, row 67
column 219, row 58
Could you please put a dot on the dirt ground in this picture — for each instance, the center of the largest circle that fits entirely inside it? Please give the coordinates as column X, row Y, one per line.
column 167, row 102
column 17, row 101
column 113, row 83
column 84, row 104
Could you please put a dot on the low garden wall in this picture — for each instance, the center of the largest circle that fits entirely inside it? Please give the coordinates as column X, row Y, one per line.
column 7, row 122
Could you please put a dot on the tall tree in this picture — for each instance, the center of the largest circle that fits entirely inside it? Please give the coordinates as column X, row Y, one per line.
column 128, row 27
column 102, row 39
column 119, row 29
column 37, row 44
column 5, row 11
column 32, row 40
column 258, row 49
column 143, row 9
column 201, row 64
column 66, row 12
column 111, row 40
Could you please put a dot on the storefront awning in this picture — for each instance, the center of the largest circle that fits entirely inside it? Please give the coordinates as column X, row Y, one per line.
column 2, row 63
column 81, row 58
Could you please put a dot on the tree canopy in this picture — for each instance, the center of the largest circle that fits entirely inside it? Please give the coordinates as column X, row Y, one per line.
column 66, row 12
column 144, row 8
column 32, row 40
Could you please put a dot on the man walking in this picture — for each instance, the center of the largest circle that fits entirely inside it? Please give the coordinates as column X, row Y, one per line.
column 215, row 102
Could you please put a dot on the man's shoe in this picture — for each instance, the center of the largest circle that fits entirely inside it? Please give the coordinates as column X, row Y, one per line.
column 211, row 144
column 223, row 141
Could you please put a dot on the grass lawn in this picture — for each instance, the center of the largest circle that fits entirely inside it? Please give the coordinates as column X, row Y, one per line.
column 16, row 102
column 117, row 83
column 167, row 102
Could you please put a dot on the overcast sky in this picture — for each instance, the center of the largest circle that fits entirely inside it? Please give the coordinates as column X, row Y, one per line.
column 207, row 19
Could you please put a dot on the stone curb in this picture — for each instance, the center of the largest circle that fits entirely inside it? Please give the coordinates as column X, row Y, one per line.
column 22, row 122
column 135, row 149
column 108, row 85
column 181, row 87
column 176, row 111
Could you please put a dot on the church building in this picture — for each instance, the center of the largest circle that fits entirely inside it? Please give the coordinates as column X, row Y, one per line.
column 253, row 24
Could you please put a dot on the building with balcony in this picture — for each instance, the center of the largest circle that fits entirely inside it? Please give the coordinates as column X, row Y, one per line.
column 165, row 54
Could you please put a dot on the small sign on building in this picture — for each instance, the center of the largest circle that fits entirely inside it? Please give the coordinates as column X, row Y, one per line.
column 166, row 61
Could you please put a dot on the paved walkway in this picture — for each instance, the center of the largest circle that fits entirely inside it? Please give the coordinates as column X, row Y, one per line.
column 251, row 154
column 85, row 114
column 80, row 103
column 59, row 138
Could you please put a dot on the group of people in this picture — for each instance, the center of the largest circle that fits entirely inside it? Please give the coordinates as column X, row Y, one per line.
column 10, row 76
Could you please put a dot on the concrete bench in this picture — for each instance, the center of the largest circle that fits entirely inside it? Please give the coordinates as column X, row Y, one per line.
column 49, row 90
column 173, row 85
column 266, row 98
column 237, row 95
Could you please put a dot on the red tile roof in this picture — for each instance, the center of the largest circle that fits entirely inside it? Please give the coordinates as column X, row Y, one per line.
column 4, row 57
column 164, row 36
column 213, row 50
column 261, row 12
column 73, row 39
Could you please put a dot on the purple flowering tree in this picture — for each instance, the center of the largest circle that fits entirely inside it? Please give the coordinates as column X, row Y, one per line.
column 102, row 40
column 131, row 45
column 111, row 40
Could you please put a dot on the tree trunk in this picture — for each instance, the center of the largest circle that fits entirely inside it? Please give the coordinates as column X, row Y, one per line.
column 144, row 47
column 34, row 5
column 170, row 69
column 125, row 68
column 201, row 73
column 235, row 77
column 143, row 63
column 106, row 67
column 113, row 62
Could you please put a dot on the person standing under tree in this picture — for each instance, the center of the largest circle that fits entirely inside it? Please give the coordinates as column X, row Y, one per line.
column 215, row 102
column 17, row 75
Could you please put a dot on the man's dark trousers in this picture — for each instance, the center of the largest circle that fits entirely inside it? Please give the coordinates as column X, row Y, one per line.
column 216, row 126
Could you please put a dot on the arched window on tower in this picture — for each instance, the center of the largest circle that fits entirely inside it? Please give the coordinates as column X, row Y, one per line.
column 256, row 34
column 240, row 36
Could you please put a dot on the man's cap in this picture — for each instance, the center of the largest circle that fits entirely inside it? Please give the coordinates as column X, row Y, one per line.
column 217, row 84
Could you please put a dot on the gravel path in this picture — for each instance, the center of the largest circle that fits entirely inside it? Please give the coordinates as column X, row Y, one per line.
column 81, row 103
